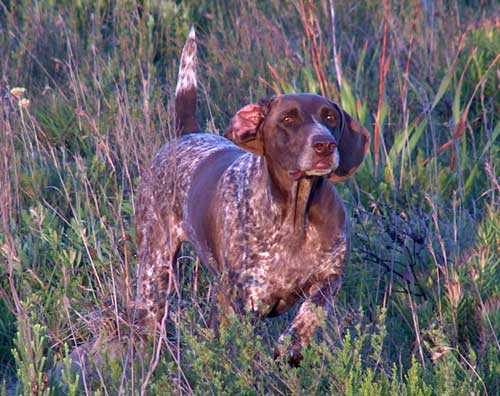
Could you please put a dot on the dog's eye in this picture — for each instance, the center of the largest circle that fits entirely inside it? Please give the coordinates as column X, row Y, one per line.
column 330, row 118
column 288, row 119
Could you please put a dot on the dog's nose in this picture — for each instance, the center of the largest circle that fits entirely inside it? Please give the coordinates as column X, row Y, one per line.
column 323, row 144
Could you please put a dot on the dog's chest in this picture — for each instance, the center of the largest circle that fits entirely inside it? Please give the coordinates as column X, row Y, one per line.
column 272, row 265
column 281, row 270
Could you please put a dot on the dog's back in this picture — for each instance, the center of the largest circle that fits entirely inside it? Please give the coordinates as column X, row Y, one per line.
column 188, row 166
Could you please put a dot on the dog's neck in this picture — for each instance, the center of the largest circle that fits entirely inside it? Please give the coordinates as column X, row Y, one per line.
column 289, row 198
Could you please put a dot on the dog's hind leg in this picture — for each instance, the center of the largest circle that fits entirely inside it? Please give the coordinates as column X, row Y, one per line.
column 156, row 273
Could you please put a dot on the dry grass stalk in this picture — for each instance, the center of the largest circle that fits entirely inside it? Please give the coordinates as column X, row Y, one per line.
column 384, row 63
column 317, row 51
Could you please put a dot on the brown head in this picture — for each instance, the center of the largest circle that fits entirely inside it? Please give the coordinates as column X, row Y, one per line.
column 301, row 135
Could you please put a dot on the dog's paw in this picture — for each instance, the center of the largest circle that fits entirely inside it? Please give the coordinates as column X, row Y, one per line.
column 290, row 354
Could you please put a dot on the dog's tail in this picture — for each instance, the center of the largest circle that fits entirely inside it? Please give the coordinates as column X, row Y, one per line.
column 185, row 92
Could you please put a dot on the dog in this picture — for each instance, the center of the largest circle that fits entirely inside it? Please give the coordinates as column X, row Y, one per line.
column 259, row 206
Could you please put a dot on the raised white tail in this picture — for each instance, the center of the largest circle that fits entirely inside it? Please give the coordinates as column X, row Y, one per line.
column 185, row 92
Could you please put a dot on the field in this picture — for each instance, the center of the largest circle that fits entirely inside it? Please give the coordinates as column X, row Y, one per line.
column 86, row 99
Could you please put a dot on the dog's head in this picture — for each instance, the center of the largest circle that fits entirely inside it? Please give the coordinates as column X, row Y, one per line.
column 303, row 134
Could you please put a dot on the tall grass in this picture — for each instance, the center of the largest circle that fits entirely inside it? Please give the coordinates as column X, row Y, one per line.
column 418, row 311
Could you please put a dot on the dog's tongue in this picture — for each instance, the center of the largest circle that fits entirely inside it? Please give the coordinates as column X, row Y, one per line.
column 296, row 174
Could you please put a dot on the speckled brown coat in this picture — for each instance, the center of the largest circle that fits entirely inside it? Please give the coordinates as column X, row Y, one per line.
column 259, row 206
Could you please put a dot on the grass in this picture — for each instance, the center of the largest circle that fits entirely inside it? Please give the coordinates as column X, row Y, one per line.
column 418, row 313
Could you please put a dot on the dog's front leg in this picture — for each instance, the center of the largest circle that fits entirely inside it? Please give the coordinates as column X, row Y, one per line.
column 310, row 316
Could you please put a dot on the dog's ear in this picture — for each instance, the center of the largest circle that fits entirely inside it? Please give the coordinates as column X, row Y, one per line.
column 353, row 146
column 243, row 129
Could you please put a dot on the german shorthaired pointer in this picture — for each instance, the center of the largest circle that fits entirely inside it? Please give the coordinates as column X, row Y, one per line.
column 258, row 205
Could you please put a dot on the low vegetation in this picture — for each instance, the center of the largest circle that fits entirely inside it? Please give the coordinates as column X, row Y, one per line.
column 418, row 313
